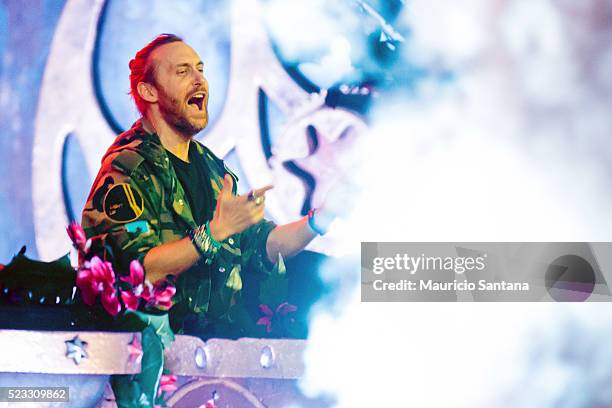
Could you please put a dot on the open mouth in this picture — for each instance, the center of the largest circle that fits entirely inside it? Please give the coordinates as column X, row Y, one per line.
column 197, row 100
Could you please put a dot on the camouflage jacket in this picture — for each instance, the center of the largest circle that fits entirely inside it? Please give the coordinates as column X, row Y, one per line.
column 137, row 203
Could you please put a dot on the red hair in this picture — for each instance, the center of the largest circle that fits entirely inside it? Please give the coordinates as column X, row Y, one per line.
column 142, row 71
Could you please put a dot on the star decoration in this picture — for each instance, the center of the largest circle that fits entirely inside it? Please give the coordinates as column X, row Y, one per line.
column 135, row 351
column 324, row 144
column 75, row 349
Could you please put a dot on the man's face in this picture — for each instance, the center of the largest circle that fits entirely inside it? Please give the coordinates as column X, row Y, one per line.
column 182, row 88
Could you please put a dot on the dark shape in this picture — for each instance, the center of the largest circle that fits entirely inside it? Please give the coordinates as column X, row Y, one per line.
column 307, row 179
column 570, row 278
column 354, row 101
column 294, row 72
column 264, row 126
column 384, row 52
column 74, row 186
column 313, row 139
column 391, row 9
column 25, row 283
column 65, row 193
column 264, row 131
column 95, row 74
column 36, row 280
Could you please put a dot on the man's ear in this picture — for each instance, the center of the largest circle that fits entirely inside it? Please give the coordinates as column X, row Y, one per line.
column 147, row 91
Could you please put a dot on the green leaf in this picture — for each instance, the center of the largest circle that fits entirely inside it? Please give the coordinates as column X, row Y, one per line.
column 152, row 364
column 129, row 322
column 158, row 321
column 127, row 391
column 144, row 392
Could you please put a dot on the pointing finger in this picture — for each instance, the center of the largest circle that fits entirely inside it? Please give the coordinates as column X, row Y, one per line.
column 261, row 191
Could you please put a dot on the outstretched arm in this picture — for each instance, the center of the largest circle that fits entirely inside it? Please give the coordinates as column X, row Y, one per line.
column 289, row 239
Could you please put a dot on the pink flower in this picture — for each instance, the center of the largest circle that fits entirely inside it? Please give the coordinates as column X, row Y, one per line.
column 136, row 276
column 78, row 237
column 209, row 404
column 162, row 296
column 136, row 279
column 158, row 295
column 282, row 310
column 267, row 319
column 98, row 278
column 129, row 299
column 110, row 302
column 167, row 383
column 285, row 308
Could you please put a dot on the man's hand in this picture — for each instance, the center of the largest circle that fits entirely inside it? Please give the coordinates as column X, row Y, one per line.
column 234, row 214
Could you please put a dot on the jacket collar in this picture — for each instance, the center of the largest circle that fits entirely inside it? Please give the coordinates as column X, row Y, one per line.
column 148, row 145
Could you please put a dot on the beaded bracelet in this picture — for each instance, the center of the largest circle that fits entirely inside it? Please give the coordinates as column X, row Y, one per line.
column 206, row 245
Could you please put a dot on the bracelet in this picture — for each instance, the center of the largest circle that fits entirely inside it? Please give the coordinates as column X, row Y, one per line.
column 312, row 223
column 206, row 245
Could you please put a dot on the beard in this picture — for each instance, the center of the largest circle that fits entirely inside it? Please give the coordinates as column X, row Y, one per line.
column 175, row 115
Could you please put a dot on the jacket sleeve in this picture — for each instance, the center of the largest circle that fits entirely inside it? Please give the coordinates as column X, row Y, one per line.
column 253, row 245
column 122, row 210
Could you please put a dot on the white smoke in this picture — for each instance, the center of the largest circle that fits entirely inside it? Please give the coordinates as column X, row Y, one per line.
column 514, row 148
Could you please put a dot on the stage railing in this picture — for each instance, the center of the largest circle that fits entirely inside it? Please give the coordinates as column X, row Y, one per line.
column 236, row 373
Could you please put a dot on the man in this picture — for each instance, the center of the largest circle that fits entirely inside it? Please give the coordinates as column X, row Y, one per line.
column 166, row 200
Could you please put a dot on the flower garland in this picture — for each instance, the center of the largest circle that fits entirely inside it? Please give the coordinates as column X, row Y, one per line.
column 96, row 278
column 130, row 295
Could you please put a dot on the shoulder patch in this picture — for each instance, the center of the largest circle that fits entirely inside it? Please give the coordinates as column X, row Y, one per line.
column 122, row 203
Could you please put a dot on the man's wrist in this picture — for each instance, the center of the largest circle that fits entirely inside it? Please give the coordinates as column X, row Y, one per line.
column 204, row 242
column 314, row 225
column 217, row 232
